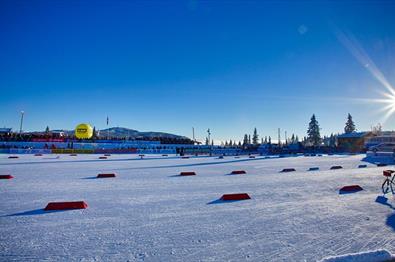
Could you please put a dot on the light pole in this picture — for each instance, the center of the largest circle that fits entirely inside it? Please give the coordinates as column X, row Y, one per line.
column 279, row 137
column 209, row 141
column 108, row 130
column 20, row 128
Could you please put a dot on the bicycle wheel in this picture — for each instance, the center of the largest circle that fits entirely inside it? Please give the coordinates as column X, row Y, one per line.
column 386, row 186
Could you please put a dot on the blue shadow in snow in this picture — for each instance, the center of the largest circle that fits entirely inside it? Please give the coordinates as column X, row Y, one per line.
column 35, row 212
column 220, row 201
column 90, row 177
column 341, row 192
column 195, row 164
column 384, row 201
column 178, row 176
column 391, row 221
column 230, row 174
column 375, row 161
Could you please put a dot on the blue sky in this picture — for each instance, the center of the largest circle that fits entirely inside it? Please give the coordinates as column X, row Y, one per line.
column 227, row 65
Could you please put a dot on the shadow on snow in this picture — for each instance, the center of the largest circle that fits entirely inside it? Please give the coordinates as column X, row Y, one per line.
column 220, row 201
column 194, row 164
column 384, row 201
column 34, row 212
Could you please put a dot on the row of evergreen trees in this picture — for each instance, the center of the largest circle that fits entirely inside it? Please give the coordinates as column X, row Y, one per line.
column 313, row 137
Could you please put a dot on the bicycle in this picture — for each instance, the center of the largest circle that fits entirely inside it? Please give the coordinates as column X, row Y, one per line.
column 388, row 182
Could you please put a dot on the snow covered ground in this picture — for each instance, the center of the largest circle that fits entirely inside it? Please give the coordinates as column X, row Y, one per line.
column 150, row 213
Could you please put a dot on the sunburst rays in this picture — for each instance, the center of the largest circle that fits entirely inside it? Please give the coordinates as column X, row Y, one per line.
column 388, row 97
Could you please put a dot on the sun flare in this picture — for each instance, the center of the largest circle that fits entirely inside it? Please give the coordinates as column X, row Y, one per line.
column 355, row 48
column 390, row 105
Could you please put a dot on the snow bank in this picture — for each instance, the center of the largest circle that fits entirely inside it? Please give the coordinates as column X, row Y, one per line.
column 379, row 157
column 369, row 256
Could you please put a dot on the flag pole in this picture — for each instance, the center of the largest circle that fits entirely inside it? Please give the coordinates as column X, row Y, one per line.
column 108, row 131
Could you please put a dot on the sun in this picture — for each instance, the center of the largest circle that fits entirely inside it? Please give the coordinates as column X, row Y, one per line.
column 359, row 53
column 389, row 104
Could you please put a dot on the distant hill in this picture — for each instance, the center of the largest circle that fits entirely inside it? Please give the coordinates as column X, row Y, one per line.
column 121, row 132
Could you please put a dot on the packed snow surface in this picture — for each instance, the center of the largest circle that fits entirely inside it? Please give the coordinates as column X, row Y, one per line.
column 148, row 212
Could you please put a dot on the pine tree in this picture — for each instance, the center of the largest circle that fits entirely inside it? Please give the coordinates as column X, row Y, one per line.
column 325, row 140
column 47, row 131
column 239, row 143
column 313, row 132
column 245, row 140
column 226, row 143
column 293, row 139
column 350, row 126
column 207, row 142
column 270, row 140
column 332, row 140
column 262, row 142
column 255, row 137
column 94, row 134
column 304, row 141
column 249, row 139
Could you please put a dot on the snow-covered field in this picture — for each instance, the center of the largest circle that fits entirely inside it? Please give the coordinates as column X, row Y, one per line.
column 150, row 213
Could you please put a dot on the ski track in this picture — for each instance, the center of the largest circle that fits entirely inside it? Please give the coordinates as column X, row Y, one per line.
column 148, row 213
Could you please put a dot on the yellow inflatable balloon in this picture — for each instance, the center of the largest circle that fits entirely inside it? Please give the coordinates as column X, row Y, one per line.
column 83, row 131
